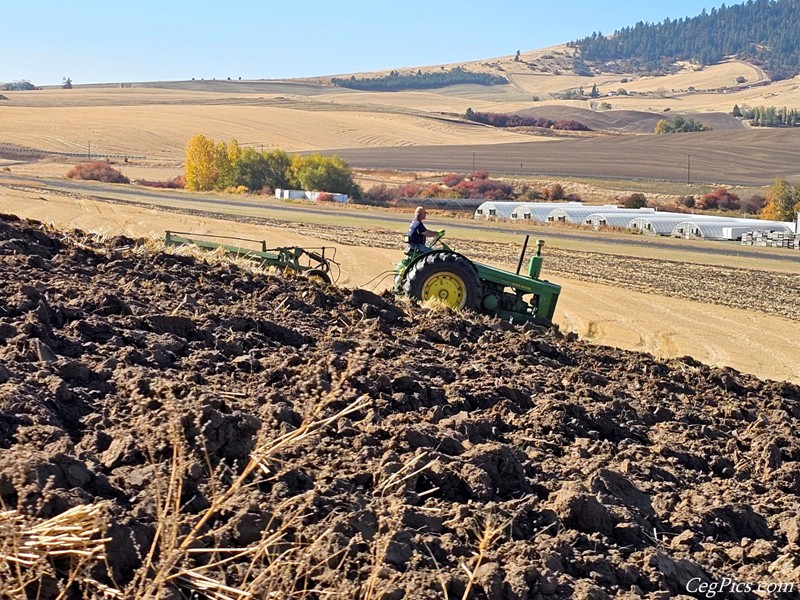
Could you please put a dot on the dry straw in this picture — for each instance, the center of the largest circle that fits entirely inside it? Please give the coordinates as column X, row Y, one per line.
column 27, row 546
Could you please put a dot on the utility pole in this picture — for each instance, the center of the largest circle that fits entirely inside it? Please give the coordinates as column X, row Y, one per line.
column 89, row 149
column 473, row 162
column 688, row 169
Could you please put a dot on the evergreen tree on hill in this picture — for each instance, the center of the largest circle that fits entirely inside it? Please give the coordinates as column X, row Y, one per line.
column 764, row 32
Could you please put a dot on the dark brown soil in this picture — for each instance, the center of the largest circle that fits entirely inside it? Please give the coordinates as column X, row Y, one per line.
column 481, row 460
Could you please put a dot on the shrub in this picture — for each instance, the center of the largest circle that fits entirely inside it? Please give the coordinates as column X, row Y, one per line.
column 409, row 190
column 754, row 204
column 554, row 191
column 325, row 197
column 452, row 179
column 635, row 200
column 382, row 194
column 482, row 187
column 529, row 195
column 720, row 199
column 687, row 201
column 178, row 182
column 97, row 171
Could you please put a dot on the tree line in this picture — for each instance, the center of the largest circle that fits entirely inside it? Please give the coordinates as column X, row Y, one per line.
column 512, row 120
column 214, row 165
column 767, row 116
column 765, row 32
column 396, row 81
column 679, row 124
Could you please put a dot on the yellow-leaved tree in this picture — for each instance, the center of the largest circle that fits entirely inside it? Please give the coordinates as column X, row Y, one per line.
column 783, row 201
column 201, row 164
column 227, row 157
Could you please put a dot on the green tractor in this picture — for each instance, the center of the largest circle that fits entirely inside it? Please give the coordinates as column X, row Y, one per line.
column 461, row 283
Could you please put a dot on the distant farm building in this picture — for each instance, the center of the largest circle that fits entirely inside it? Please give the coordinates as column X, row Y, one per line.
column 308, row 195
column 656, row 224
column 617, row 218
column 577, row 214
column 537, row 211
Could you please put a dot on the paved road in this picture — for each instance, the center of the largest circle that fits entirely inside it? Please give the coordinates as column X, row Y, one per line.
column 281, row 211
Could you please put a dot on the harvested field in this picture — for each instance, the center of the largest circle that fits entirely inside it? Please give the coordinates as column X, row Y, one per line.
column 230, row 432
column 729, row 157
column 420, row 130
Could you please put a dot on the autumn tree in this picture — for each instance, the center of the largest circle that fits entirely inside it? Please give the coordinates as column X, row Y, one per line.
column 783, row 201
column 201, row 164
column 324, row 174
column 226, row 157
column 719, row 199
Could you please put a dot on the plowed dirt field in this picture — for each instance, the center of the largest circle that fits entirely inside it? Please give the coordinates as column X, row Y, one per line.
column 172, row 427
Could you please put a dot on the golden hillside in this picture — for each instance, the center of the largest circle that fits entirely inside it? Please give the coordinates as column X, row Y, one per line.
column 154, row 120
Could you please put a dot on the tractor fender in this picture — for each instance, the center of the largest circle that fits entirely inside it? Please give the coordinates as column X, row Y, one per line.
column 411, row 264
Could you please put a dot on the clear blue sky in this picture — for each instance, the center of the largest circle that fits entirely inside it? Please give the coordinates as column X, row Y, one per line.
column 44, row 41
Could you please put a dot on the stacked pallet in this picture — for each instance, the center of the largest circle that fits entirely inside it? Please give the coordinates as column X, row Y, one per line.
column 776, row 239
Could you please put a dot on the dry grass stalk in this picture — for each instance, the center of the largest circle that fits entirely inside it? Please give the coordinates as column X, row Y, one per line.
column 73, row 533
column 404, row 473
column 488, row 533
column 194, row 579
column 28, row 547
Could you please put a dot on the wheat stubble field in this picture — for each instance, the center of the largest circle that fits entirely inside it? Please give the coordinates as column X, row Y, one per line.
column 405, row 132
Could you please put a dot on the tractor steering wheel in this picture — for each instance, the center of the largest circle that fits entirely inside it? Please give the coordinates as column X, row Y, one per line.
column 437, row 239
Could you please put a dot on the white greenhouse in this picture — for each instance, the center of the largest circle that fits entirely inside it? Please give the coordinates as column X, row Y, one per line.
column 656, row 224
column 538, row 211
column 709, row 229
column 617, row 218
column 577, row 214
column 495, row 210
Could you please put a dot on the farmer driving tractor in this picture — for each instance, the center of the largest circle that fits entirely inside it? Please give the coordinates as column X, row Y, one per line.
column 417, row 232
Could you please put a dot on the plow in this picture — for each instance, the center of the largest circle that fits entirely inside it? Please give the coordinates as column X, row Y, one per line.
column 315, row 263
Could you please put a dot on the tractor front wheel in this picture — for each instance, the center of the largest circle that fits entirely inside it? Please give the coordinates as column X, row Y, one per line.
column 448, row 277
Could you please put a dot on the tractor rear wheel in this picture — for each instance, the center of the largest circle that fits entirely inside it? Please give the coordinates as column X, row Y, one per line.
column 448, row 277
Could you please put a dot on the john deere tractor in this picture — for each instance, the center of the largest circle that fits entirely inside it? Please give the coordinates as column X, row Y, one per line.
column 461, row 283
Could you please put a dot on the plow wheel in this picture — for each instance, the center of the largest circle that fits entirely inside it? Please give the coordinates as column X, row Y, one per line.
column 318, row 275
column 448, row 277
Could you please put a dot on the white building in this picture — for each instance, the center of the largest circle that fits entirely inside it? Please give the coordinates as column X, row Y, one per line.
column 308, row 195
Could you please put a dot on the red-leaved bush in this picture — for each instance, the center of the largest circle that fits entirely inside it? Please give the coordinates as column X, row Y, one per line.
column 720, row 199
column 452, row 179
column 176, row 183
column 97, row 171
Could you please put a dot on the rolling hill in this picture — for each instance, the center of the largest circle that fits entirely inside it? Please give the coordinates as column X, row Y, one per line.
column 425, row 127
